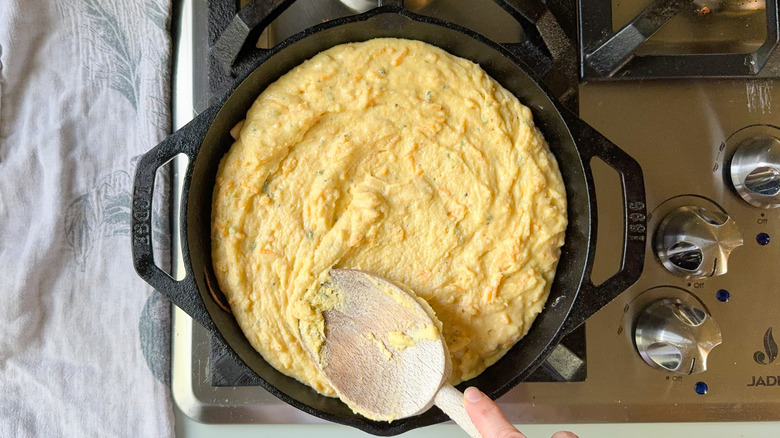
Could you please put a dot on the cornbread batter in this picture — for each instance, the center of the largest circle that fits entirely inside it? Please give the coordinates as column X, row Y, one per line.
column 399, row 159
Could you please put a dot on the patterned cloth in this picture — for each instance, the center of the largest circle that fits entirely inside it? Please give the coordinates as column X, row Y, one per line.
column 84, row 91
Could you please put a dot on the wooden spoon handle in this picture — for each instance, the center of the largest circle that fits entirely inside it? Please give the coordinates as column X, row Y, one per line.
column 450, row 400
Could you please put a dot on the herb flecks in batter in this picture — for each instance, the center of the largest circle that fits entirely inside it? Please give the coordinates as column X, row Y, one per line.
column 362, row 158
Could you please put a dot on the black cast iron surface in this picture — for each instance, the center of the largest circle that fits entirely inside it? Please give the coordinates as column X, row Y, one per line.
column 206, row 139
column 550, row 29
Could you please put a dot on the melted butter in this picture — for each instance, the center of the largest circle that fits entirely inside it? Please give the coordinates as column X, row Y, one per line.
column 410, row 338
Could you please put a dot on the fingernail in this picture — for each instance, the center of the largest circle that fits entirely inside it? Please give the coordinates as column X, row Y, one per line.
column 473, row 394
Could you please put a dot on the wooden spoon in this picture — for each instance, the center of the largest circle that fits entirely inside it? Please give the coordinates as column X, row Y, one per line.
column 381, row 350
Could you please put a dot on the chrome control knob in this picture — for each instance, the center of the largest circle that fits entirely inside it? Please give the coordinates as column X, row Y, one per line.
column 676, row 336
column 755, row 171
column 694, row 242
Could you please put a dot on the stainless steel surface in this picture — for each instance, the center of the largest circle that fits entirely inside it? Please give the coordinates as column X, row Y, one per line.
column 678, row 132
column 675, row 335
column 755, row 167
column 694, row 242
column 692, row 120
column 359, row 5
column 364, row 5
column 692, row 32
column 705, row 7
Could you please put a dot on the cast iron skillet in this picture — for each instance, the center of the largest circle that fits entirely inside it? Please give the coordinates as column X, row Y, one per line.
column 573, row 297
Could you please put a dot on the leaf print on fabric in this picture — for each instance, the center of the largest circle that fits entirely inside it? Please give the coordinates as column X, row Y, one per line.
column 161, row 119
column 113, row 203
column 80, row 228
column 119, row 45
column 116, row 30
column 107, row 33
column 104, row 211
column 158, row 14
column 155, row 336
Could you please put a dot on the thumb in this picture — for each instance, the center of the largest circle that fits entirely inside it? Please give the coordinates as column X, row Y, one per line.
column 487, row 417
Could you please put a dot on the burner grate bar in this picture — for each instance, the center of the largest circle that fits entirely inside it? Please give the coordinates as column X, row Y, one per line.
column 613, row 57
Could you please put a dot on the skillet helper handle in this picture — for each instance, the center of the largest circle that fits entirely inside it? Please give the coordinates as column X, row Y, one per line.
column 592, row 144
column 254, row 17
column 559, row 72
column 183, row 293
column 450, row 400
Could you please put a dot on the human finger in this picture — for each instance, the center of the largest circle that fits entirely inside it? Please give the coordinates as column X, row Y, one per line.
column 564, row 434
column 487, row 417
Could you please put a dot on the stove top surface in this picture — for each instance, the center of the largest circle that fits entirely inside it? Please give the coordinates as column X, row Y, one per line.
column 684, row 133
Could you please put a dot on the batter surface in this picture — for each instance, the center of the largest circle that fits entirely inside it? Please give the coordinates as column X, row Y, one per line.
column 393, row 157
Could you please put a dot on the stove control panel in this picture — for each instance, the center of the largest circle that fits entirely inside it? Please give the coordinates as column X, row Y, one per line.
column 695, row 338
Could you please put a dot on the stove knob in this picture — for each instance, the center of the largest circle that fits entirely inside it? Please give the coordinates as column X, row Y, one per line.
column 694, row 242
column 676, row 336
column 755, row 171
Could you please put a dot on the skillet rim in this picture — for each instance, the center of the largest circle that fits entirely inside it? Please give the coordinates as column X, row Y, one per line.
column 431, row 416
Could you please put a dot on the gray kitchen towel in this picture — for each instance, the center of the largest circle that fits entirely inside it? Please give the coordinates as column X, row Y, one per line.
column 84, row 91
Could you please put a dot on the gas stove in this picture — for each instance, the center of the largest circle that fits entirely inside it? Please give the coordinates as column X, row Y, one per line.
column 687, row 88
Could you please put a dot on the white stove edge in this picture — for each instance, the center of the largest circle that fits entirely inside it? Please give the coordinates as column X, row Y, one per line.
column 188, row 428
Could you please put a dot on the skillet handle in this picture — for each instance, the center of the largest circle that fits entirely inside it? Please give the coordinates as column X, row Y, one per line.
column 187, row 140
column 592, row 144
column 559, row 70
column 252, row 18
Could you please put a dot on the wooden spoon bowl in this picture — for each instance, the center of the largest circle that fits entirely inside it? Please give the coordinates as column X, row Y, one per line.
column 383, row 352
